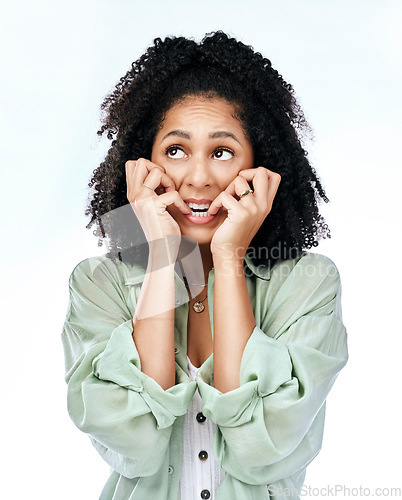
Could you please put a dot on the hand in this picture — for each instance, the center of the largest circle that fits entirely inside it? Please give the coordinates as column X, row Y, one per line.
column 245, row 214
column 150, row 205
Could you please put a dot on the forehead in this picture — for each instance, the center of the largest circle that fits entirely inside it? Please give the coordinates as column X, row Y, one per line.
column 195, row 111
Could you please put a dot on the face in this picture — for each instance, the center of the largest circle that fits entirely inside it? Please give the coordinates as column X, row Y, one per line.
column 203, row 147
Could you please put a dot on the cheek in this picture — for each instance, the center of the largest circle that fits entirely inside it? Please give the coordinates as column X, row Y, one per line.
column 154, row 156
column 226, row 178
column 170, row 172
column 158, row 158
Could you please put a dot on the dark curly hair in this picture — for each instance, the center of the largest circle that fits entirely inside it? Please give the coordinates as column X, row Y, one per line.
column 266, row 105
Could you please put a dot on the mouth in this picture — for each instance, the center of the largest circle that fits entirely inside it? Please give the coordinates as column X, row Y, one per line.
column 199, row 208
column 199, row 211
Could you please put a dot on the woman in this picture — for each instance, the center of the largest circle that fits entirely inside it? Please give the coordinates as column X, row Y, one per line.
column 205, row 375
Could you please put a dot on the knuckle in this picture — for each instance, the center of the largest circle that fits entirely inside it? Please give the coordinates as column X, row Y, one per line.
column 153, row 174
column 129, row 163
column 254, row 210
column 244, row 214
column 156, row 172
column 141, row 162
column 154, row 167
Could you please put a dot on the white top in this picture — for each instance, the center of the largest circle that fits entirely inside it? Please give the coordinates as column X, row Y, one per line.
column 196, row 474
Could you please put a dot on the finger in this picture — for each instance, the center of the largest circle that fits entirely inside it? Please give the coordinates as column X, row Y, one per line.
column 131, row 166
column 223, row 200
column 130, row 169
column 153, row 182
column 173, row 198
column 241, row 186
column 140, row 169
column 273, row 186
column 158, row 179
column 142, row 172
column 259, row 180
column 230, row 188
column 265, row 183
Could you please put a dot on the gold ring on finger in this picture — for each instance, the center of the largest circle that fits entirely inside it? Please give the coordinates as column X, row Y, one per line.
column 246, row 192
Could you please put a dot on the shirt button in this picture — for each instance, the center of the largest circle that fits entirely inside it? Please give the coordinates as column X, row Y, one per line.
column 170, row 469
column 205, row 494
column 200, row 417
column 176, row 350
column 203, row 455
column 177, row 302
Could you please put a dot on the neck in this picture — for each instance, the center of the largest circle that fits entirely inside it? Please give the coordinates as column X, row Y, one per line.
column 193, row 275
column 206, row 257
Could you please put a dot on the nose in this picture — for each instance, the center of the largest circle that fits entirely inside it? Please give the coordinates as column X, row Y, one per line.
column 198, row 173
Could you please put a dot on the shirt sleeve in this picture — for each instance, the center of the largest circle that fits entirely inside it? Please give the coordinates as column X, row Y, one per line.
column 127, row 414
column 271, row 426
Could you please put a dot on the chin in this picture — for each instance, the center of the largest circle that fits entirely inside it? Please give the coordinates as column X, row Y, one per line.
column 203, row 234
column 201, row 237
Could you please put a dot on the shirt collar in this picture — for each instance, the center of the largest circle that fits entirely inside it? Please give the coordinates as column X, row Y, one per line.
column 136, row 273
column 261, row 271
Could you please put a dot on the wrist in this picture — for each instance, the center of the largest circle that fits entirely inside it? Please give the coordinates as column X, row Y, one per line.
column 163, row 252
column 160, row 265
column 228, row 266
column 229, row 252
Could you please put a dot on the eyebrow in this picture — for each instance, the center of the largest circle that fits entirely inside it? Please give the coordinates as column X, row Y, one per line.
column 223, row 133
column 215, row 135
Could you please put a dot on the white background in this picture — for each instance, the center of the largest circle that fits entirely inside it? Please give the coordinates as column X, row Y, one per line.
column 59, row 61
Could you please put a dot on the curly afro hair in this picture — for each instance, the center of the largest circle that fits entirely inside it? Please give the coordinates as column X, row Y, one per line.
column 273, row 121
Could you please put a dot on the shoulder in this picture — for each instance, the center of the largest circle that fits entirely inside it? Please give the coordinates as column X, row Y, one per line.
column 309, row 282
column 90, row 268
column 306, row 285
column 98, row 271
column 309, row 267
column 103, row 274
column 306, row 282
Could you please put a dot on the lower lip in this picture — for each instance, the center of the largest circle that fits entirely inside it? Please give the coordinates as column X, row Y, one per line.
column 199, row 220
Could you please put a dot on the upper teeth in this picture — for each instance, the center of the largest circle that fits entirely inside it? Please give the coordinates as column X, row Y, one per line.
column 200, row 207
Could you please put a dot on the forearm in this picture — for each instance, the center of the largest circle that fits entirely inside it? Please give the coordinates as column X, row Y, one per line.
column 233, row 322
column 153, row 325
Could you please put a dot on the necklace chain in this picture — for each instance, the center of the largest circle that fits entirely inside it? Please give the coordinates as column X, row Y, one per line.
column 198, row 305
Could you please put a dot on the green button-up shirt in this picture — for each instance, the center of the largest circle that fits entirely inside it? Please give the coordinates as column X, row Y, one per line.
column 268, row 429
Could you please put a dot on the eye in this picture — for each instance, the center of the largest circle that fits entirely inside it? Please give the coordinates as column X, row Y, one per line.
column 223, row 154
column 174, row 152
